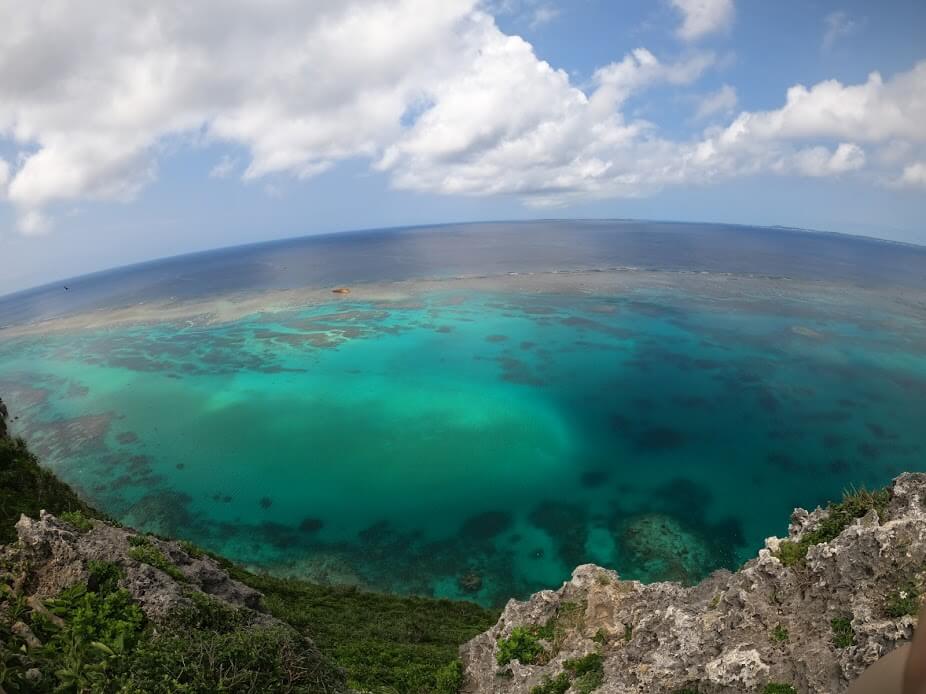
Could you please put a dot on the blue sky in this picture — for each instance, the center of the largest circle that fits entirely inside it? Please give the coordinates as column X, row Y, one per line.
column 139, row 130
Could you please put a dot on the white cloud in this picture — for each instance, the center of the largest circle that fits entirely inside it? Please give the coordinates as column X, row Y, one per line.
column 722, row 101
column 820, row 161
column 513, row 125
column 703, row 17
column 91, row 94
column 4, row 174
column 543, row 15
column 872, row 112
column 839, row 25
column 224, row 167
column 914, row 175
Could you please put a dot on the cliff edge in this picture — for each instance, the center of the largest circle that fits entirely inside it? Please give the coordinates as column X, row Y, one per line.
column 808, row 614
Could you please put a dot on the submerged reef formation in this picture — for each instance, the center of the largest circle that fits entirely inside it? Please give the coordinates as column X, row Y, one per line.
column 808, row 614
column 87, row 605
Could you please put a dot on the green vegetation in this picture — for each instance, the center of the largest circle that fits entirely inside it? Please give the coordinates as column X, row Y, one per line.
column 193, row 551
column 855, row 504
column 523, row 645
column 27, row 488
column 78, row 520
column 628, row 632
column 600, row 637
column 903, row 601
column 384, row 644
column 588, row 672
column 449, row 679
column 557, row 685
column 98, row 640
column 778, row 688
column 584, row 674
column 779, row 634
column 147, row 553
column 843, row 636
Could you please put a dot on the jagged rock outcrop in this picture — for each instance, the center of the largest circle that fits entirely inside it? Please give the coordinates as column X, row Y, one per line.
column 733, row 632
column 54, row 555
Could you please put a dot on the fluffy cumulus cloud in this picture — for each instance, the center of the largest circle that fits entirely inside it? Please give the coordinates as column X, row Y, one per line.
column 703, row 17
column 434, row 94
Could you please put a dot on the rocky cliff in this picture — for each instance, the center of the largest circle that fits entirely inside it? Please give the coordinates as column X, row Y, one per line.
column 808, row 614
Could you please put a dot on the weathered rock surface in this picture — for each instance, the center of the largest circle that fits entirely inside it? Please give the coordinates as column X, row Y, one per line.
column 55, row 555
column 733, row 632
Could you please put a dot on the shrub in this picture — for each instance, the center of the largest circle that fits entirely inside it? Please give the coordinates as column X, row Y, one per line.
column 779, row 634
column 449, row 679
column 843, row 636
column 98, row 629
column 778, row 688
column 522, row 646
column 78, row 520
column 27, row 488
column 557, row 685
column 588, row 672
column 855, row 504
column 104, row 576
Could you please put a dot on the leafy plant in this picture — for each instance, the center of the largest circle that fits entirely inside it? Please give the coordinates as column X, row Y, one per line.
column 843, row 636
column 779, row 634
column 103, row 576
column 778, row 688
column 523, row 646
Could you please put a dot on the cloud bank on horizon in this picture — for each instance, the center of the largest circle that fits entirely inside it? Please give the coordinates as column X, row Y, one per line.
column 434, row 95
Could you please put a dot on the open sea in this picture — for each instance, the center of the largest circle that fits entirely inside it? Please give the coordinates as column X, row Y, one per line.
column 489, row 406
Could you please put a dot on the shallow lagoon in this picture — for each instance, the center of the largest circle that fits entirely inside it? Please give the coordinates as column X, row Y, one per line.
column 480, row 437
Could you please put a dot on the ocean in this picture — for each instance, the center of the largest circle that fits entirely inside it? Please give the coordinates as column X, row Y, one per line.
column 489, row 406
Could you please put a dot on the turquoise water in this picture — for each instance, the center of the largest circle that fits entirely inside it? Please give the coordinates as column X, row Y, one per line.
column 481, row 443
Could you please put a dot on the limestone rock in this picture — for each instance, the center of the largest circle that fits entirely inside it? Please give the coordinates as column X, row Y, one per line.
column 733, row 632
column 57, row 556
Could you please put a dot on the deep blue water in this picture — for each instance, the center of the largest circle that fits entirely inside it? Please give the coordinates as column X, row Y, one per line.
column 482, row 249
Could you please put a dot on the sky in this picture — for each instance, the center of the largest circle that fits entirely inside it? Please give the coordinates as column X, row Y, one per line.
column 131, row 129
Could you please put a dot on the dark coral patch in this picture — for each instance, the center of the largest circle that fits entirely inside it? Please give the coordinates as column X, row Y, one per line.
column 567, row 526
column 266, row 502
column 127, row 437
column 485, row 526
column 594, row 478
column 311, row 525
column 496, row 338
column 657, row 439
